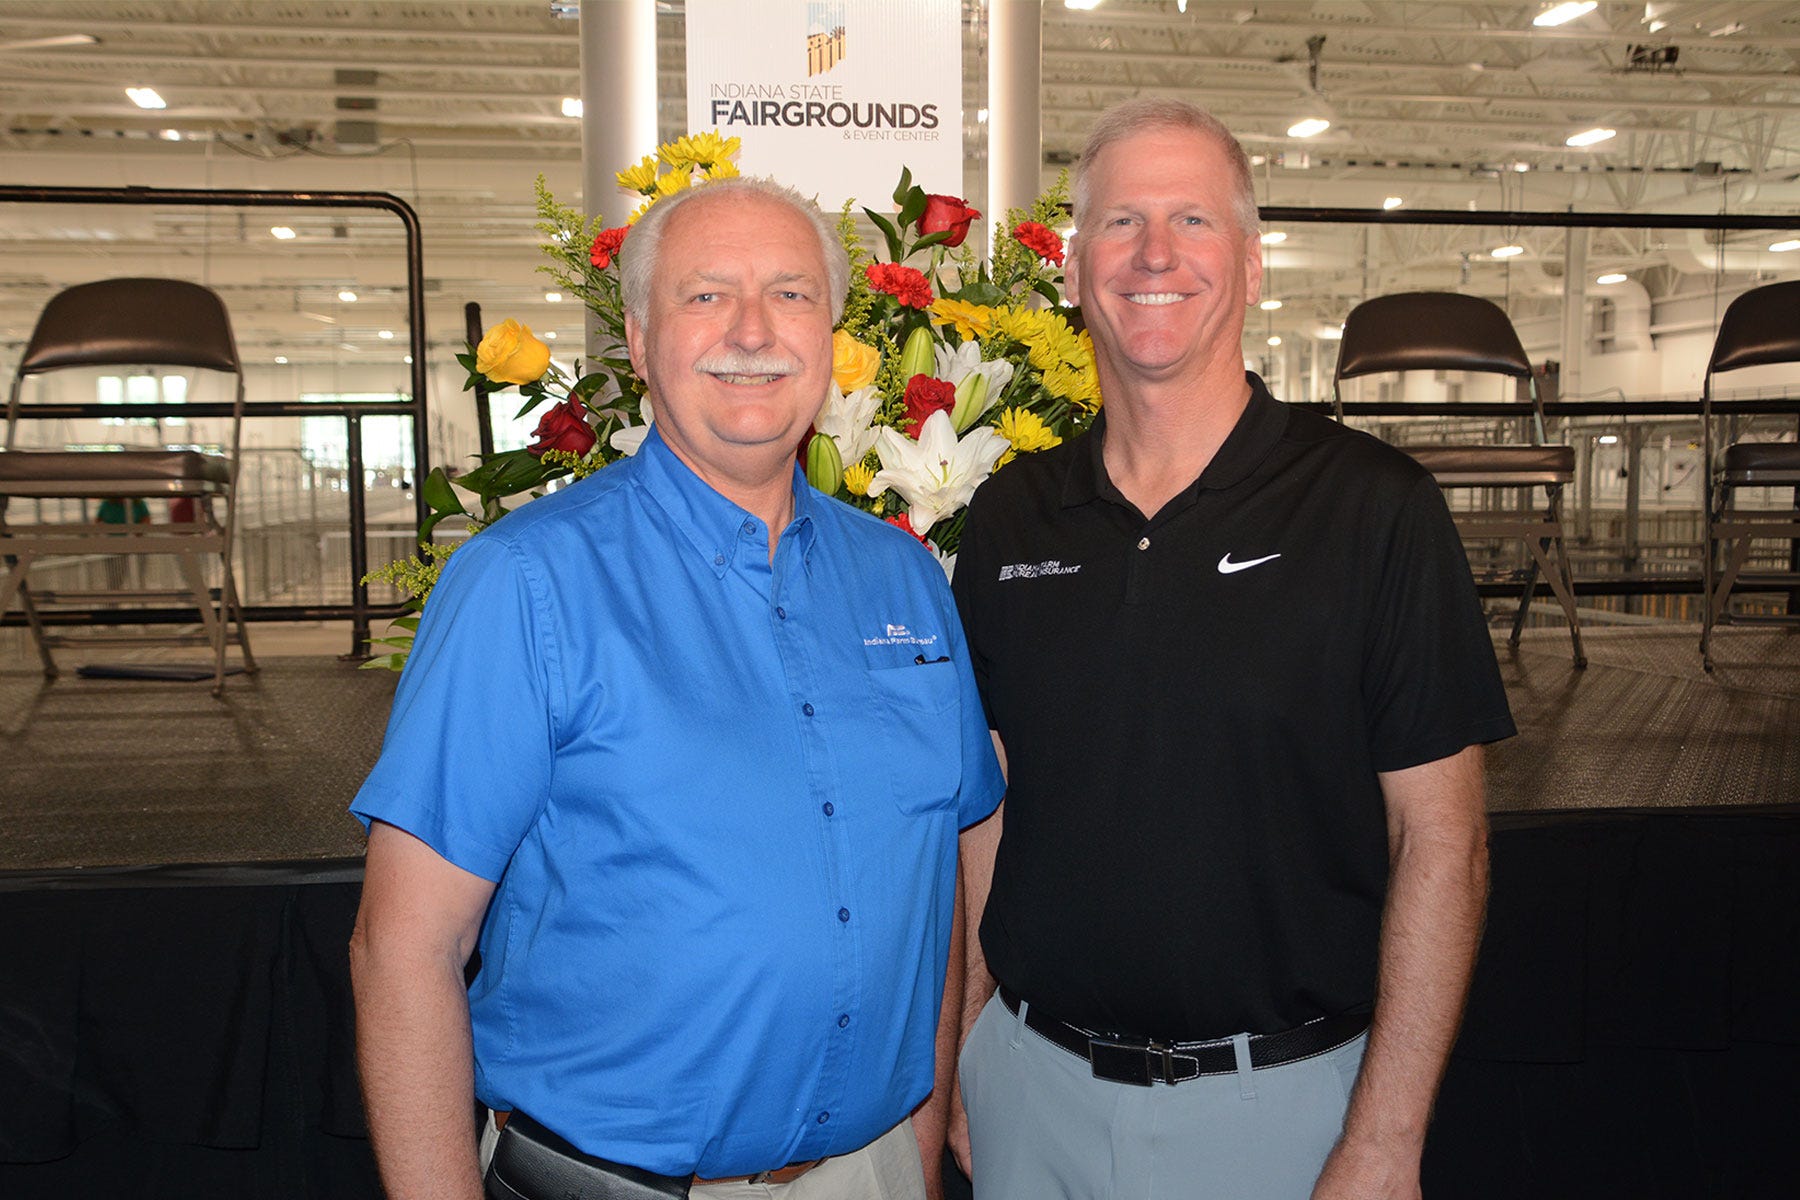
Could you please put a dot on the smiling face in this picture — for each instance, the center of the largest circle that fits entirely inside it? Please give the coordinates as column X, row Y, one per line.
column 1162, row 267
column 736, row 342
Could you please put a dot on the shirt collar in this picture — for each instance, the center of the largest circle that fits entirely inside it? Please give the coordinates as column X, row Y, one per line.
column 717, row 529
column 1258, row 428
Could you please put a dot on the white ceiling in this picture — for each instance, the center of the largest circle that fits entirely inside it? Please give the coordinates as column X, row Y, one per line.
column 1451, row 106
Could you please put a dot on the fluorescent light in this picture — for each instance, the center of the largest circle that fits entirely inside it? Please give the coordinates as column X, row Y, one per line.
column 169, row 135
column 552, row 297
column 1784, row 247
column 549, row 335
column 145, row 97
column 1562, row 14
column 571, row 106
column 1507, row 251
column 1082, row 5
column 1275, row 339
column 1609, row 439
column 409, row 360
column 1332, row 333
column 281, row 360
column 1658, row 26
column 1310, row 127
column 1391, row 203
column 347, row 296
column 1612, row 277
column 282, row 233
column 386, row 335
column 1273, row 238
column 1590, row 137
column 1269, row 305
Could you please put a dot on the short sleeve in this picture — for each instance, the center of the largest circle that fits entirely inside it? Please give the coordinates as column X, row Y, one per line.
column 465, row 765
column 1430, row 682
column 982, row 782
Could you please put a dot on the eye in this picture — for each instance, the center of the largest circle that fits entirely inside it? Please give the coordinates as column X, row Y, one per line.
column 703, row 297
column 1193, row 220
column 790, row 294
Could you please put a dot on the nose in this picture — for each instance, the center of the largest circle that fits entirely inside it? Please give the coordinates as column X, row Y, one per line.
column 1155, row 248
column 751, row 329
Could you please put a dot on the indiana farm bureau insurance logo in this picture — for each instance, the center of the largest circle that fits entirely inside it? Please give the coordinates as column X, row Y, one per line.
column 824, row 37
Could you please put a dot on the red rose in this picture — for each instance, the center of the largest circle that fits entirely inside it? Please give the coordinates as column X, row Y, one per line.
column 1041, row 240
column 947, row 212
column 564, row 427
column 902, row 521
column 903, row 283
column 606, row 246
column 924, row 396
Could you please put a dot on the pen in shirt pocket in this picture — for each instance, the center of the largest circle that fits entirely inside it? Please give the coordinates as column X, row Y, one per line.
column 922, row 661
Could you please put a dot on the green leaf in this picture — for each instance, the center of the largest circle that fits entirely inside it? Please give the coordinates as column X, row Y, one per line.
column 403, row 642
column 430, row 523
column 384, row 662
column 1044, row 289
column 410, row 623
column 440, row 496
column 913, row 208
column 904, row 187
column 887, row 230
column 930, row 239
column 981, row 292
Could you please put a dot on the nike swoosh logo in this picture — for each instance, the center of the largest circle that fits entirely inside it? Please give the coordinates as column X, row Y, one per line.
column 1227, row 567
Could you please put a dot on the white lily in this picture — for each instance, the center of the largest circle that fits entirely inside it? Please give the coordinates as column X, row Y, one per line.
column 850, row 421
column 955, row 366
column 630, row 439
column 936, row 474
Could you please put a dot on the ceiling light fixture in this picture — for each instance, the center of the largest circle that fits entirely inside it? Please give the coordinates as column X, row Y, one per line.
column 1611, row 277
column 549, row 335
column 981, row 116
column 1562, row 14
column 145, row 97
column 1082, row 5
column 386, row 335
column 1608, row 439
column 1310, row 127
column 1269, row 305
column 552, row 297
column 1507, row 251
column 1273, row 238
column 1784, row 247
column 571, row 106
column 282, row 233
column 1391, row 203
column 1590, row 137
column 281, row 360
column 50, row 43
column 1274, row 339
column 169, row 135
column 1331, row 333
column 347, row 296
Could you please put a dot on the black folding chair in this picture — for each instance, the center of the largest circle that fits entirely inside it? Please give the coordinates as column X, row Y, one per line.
column 1445, row 331
column 139, row 323
column 1759, row 328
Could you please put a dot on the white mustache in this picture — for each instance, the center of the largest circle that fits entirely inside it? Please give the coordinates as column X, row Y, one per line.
column 738, row 362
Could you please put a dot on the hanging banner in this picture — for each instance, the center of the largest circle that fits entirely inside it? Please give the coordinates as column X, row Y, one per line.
column 832, row 97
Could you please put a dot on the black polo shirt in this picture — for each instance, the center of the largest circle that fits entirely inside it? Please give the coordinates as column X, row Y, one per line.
column 1194, row 709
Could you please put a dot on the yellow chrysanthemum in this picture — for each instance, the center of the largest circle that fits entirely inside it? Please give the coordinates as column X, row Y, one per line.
column 641, row 178
column 723, row 170
column 639, row 211
column 1079, row 386
column 857, row 479
column 1026, row 431
column 671, row 182
column 699, row 150
column 971, row 320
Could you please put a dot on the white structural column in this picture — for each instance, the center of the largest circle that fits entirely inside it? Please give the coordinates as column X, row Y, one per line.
column 1574, row 312
column 1014, row 124
column 618, row 103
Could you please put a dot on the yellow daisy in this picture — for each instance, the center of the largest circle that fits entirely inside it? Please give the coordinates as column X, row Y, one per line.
column 857, row 479
column 1026, row 431
column 699, row 150
column 641, row 178
column 971, row 320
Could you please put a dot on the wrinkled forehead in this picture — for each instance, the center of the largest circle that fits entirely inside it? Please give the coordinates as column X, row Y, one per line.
column 740, row 234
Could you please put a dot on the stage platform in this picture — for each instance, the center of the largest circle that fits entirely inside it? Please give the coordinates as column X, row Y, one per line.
column 121, row 773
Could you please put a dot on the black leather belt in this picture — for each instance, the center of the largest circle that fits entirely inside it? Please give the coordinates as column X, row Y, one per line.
column 1144, row 1061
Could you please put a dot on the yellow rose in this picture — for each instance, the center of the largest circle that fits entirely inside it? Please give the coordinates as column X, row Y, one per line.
column 509, row 354
column 853, row 365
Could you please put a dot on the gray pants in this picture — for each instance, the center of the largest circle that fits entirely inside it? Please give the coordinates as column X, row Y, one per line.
column 888, row 1168
column 1041, row 1127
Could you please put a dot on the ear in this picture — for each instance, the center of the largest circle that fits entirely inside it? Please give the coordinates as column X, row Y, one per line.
column 634, row 345
column 1253, row 270
column 1072, row 272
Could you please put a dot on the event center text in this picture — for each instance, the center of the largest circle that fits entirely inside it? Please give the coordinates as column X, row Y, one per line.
column 811, row 105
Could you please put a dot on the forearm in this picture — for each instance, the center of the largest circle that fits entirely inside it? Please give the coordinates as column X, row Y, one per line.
column 931, row 1121
column 978, row 846
column 415, row 1056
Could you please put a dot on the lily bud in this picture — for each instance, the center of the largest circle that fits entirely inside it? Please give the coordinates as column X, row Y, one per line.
column 917, row 357
column 971, row 400
column 824, row 465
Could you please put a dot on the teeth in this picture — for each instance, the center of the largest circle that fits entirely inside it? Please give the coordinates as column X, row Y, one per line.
column 748, row 379
column 1154, row 298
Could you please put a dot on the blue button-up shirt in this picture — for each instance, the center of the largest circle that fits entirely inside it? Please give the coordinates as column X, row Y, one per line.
column 720, row 797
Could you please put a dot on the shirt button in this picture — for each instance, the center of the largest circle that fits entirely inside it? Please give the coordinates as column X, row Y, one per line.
column 843, row 1020
column 749, row 528
column 718, row 560
column 830, row 808
column 843, row 914
column 1143, row 543
column 781, row 613
column 824, row 1117
column 807, row 709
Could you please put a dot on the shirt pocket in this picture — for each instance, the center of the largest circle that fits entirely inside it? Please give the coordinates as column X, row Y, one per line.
column 917, row 710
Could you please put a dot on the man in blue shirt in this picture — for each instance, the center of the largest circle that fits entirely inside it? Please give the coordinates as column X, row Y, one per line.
column 683, row 750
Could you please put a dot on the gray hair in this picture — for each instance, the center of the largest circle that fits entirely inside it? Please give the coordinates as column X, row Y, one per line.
column 637, row 258
column 1146, row 115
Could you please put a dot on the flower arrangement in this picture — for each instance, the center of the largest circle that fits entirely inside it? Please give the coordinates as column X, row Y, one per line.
column 944, row 368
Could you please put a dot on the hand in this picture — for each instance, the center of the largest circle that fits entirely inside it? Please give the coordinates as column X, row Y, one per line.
column 1356, row 1170
column 958, row 1134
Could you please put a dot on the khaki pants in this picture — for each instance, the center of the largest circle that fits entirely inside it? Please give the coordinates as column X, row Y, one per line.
column 888, row 1168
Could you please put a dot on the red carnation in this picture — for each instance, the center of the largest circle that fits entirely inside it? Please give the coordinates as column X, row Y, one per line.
column 950, row 213
column 902, row 521
column 606, row 246
column 924, row 396
column 563, row 427
column 1041, row 240
column 903, row 283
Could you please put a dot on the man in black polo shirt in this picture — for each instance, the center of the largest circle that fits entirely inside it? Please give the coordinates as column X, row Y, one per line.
column 1233, row 657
